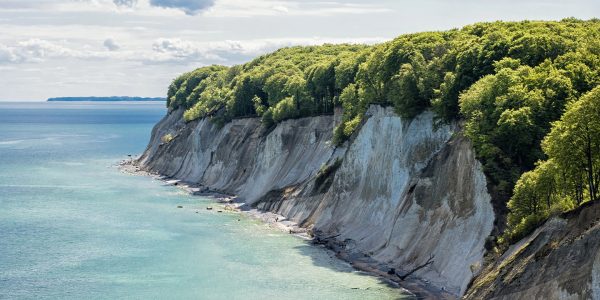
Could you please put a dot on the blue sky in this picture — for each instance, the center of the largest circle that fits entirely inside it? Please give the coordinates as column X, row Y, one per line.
column 52, row 48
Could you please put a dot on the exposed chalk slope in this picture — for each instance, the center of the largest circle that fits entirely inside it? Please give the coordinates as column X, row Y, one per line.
column 405, row 190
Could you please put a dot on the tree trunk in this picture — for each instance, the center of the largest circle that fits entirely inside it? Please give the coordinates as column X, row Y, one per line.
column 590, row 167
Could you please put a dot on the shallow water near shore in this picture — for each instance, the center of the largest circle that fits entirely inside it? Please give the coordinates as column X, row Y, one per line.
column 72, row 226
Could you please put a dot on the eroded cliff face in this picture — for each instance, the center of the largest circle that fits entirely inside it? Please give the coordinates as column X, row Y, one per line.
column 560, row 260
column 240, row 158
column 402, row 191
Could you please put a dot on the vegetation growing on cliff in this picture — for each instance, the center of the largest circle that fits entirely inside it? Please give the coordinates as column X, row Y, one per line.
column 508, row 80
column 571, row 173
column 289, row 83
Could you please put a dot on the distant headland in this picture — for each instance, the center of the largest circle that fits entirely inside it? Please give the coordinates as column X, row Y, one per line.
column 112, row 98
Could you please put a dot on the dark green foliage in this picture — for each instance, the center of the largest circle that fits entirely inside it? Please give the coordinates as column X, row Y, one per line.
column 285, row 109
column 403, row 92
column 508, row 114
column 303, row 76
column 338, row 135
column 412, row 73
column 185, row 90
column 508, row 81
column 571, row 174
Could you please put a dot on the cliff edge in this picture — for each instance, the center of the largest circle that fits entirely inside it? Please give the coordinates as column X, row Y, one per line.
column 560, row 260
column 401, row 192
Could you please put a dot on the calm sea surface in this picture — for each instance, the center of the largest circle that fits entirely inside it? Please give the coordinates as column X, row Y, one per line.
column 73, row 227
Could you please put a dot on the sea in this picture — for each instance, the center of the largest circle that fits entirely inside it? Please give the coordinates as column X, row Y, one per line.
column 73, row 226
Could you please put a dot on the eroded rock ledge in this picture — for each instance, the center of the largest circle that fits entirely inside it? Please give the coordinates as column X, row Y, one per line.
column 560, row 260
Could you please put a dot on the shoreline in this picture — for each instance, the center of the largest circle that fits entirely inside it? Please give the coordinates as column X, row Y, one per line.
column 229, row 202
column 411, row 286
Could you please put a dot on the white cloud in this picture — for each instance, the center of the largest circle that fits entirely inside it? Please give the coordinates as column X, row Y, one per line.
column 233, row 51
column 260, row 46
column 23, row 5
column 281, row 9
column 190, row 7
column 215, row 8
column 162, row 50
column 250, row 8
column 140, row 7
column 111, row 45
column 177, row 50
column 8, row 55
column 155, row 40
column 128, row 3
column 38, row 50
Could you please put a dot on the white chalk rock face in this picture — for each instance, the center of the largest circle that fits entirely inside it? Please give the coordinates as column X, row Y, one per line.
column 596, row 277
column 405, row 191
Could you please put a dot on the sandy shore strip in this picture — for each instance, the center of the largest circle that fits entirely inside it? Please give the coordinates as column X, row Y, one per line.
column 410, row 286
column 228, row 202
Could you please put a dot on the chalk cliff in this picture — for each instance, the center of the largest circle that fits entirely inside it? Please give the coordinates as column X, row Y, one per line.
column 400, row 191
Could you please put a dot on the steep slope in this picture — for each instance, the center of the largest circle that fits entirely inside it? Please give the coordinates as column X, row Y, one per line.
column 401, row 192
column 560, row 260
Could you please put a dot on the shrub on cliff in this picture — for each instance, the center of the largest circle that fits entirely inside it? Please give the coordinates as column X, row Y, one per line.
column 167, row 138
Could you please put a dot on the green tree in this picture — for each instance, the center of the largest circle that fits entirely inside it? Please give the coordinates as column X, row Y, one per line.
column 404, row 92
column 285, row 109
column 569, row 177
column 575, row 140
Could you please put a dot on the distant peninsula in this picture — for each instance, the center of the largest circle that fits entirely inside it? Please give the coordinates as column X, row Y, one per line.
column 103, row 99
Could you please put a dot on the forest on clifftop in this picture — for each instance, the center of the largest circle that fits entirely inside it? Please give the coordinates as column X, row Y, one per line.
column 527, row 92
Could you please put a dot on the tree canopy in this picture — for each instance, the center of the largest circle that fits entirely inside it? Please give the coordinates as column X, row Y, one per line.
column 571, row 173
column 508, row 82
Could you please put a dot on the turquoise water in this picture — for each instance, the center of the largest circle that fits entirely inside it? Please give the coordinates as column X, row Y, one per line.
column 72, row 226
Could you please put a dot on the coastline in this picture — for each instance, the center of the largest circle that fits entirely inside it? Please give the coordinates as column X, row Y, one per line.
column 228, row 202
column 411, row 286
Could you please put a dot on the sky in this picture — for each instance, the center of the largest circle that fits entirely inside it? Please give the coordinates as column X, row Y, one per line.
column 54, row 48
